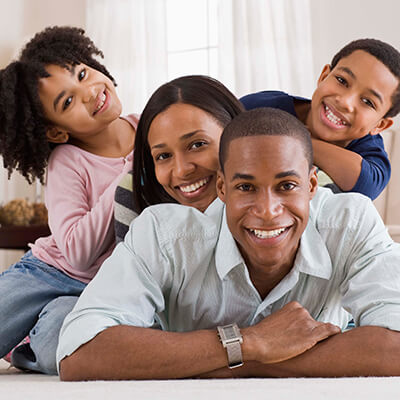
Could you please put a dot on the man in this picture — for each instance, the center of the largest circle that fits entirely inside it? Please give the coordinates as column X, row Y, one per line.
column 288, row 272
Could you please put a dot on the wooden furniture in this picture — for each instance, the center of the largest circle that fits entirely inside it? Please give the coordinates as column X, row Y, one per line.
column 18, row 237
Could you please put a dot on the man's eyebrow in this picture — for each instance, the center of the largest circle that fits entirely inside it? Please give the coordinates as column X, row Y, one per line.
column 246, row 177
column 287, row 173
column 372, row 91
column 62, row 94
column 182, row 138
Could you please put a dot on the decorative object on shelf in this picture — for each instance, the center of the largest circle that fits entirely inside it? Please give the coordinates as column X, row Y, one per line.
column 20, row 212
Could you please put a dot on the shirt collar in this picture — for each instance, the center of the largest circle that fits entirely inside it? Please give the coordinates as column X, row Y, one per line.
column 312, row 256
column 227, row 254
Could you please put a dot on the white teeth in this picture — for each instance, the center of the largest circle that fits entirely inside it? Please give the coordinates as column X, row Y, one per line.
column 267, row 234
column 333, row 118
column 102, row 100
column 194, row 186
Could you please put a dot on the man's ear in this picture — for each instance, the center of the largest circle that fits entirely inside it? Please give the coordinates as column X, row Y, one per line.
column 383, row 124
column 221, row 190
column 55, row 135
column 313, row 181
column 325, row 72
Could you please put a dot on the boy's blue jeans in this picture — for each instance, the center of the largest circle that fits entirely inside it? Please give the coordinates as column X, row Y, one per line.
column 34, row 299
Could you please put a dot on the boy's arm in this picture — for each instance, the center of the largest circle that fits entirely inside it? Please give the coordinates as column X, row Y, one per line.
column 342, row 165
column 127, row 352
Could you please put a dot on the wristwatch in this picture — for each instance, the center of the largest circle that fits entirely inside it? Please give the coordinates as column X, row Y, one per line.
column 231, row 339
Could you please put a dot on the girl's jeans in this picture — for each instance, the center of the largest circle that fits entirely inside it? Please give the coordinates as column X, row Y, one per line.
column 34, row 299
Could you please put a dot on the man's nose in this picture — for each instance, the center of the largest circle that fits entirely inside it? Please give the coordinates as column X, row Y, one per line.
column 268, row 204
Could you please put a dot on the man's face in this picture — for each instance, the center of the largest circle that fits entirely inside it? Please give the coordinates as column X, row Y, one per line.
column 267, row 187
column 352, row 99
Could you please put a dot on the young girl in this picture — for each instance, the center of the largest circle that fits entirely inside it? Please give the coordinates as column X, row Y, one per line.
column 59, row 109
column 176, row 148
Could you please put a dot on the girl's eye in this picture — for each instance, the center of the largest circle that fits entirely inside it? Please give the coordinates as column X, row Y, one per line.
column 81, row 74
column 245, row 187
column 67, row 103
column 162, row 156
column 341, row 80
column 198, row 144
column 368, row 102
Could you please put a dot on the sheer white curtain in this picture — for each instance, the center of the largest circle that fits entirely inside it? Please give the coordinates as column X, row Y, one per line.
column 131, row 33
column 266, row 44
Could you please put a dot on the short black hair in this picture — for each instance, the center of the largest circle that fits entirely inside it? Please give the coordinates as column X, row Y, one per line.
column 23, row 142
column 265, row 121
column 386, row 54
column 199, row 91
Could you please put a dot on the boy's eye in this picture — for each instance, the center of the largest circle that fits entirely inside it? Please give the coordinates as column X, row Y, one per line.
column 198, row 144
column 67, row 103
column 368, row 102
column 81, row 74
column 341, row 80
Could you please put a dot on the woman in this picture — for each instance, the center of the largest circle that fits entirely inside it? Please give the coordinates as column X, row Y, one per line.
column 176, row 148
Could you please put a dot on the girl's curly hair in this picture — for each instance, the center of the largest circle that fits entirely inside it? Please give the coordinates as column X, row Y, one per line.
column 23, row 142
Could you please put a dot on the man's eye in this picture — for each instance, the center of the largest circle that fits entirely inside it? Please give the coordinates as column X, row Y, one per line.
column 288, row 186
column 245, row 187
column 67, row 103
column 82, row 74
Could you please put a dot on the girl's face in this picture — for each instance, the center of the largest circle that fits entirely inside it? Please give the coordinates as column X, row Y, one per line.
column 80, row 102
column 184, row 142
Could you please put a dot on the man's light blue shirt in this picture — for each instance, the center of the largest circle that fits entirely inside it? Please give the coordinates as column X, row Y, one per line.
column 181, row 270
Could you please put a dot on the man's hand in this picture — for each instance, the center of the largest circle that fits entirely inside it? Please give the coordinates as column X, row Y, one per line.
column 284, row 334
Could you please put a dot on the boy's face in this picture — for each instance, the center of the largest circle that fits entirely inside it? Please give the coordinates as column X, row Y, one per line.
column 79, row 102
column 351, row 100
column 267, row 187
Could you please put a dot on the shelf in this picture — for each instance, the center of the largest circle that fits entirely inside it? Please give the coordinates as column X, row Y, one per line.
column 18, row 237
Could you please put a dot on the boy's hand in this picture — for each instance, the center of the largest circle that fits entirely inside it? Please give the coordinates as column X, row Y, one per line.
column 284, row 334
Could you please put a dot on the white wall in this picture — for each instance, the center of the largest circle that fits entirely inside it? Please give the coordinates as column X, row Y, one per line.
column 337, row 22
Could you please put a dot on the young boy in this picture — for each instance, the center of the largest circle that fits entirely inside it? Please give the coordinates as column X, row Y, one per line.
column 356, row 96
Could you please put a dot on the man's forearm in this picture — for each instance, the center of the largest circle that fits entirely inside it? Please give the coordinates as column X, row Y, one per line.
column 365, row 351
column 125, row 352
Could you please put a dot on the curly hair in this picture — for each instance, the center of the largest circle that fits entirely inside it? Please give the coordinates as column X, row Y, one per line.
column 23, row 142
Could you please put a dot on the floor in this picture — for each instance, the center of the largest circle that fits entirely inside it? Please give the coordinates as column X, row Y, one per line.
column 15, row 384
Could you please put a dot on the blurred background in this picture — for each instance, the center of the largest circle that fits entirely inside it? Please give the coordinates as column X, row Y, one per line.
column 249, row 45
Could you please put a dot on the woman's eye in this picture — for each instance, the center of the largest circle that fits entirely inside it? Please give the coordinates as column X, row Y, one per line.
column 67, row 103
column 82, row 74
column 162, row 156
column 197, row 145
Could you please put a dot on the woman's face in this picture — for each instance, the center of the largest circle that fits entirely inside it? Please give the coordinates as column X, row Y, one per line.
column 184, row 142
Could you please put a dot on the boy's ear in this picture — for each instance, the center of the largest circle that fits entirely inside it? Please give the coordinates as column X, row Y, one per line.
column 221, row 190
column 313, row 182
column 55, row 135
column 325, row 72
column 383, row 124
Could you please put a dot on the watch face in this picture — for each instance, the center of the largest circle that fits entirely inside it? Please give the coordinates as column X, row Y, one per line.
column 230, row 333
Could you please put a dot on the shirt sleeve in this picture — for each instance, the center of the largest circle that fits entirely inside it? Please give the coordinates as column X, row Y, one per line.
column 371, row 283
column 124, row 212
column 375, row 167
column 139, row 272
column 81, row 232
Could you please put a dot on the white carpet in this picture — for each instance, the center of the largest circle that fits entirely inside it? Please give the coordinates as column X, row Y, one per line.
column 18, row 385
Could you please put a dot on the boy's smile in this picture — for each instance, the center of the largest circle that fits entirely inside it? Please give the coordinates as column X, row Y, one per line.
column 352, row 99
column 267, row 187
